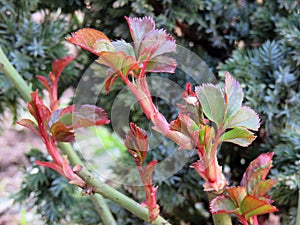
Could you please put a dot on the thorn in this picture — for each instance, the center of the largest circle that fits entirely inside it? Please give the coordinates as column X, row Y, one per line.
column 77, row 168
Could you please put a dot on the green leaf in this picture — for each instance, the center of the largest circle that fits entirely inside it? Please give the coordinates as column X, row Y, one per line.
column 239, row 136
column 246, row 118
column 212, row 101
column 222, row 204
column 104, row 45
column 233, row 96
column 252, row 206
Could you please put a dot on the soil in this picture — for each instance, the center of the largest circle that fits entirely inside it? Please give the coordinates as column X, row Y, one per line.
column 15, row 142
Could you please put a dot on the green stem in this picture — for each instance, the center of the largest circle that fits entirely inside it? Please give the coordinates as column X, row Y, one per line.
column 127, row 203
column 108, row 192
column 219, row 219
column 12, row 74
column 100, row 187
column 98, row 201
column 103, row 210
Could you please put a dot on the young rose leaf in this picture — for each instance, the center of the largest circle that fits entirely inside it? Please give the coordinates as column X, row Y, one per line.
column 104, row 45
column 257, row 171
column 30, row 125
column 148, row 172
column 89, row 115
column 246, row 118
column 45, row 82
column 38, row 110
column 51, row 165
column 233, row 96
column 262, row 187
column 137, row 143
column 123, row 46
column 237, row 194
column 252, row 206
column 59, row 65
column 161, row 64
column 212, row 102
column 222, row 204
column 239, row 136
column 138, row 28
column 109, row 81
column 118, row 62
column 156, row 43
column 86, row 38
column 62, row 133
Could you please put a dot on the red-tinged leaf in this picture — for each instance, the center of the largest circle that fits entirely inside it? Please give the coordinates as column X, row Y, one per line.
column 44, row 81
column 237, row 194
column 200, row 168
column 257, row 170
column 222, row 204
column 38, row 110
column 59, row 65
column 118, row 62
column 212, row 101
column 246, row 118
column 162, row 64
column 138, row 28
column 66, row 110
column 86, row 38
column 109, row 81
column 30, row 125
column 233, row 96
column 50, row 165
column 148, row 172
column 262, row 187
column 177, row 125
column 239, row 136
column 252, row 206
column 188, row 91
column 62, row 133
column 89, row 115
column 137, row 143
column 164, row 43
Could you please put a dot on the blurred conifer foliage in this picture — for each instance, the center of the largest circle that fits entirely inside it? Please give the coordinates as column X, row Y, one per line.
column 257, row 41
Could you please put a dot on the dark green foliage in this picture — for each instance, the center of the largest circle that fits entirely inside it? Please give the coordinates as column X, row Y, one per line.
column 31, row 46
column 259, row 43
column 55, row 200
column 270, row 75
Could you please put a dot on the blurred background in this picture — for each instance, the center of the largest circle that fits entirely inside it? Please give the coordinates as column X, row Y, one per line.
column 258, row 42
